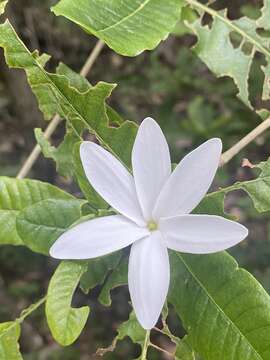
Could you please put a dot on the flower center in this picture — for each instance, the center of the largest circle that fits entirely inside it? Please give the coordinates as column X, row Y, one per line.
column 152, row 225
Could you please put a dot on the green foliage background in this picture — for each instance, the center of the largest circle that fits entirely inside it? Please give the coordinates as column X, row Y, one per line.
column 172, row 85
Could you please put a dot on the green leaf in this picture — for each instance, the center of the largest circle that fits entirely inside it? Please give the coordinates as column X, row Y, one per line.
column 266, row 85
column 257, row 189
column 214, row 42
column 264, row 20
column 40, row 225
column 80, row 83
column 216, row 49
column 128, row 27
column 9, row 336
column 132, row 329
column 62, row 155
column 75, row 80
column 117, row 278
column 187, row 14
column 15, row 196
column 183, row 350
column 3, row 4
column 212, row 204
column 97, row 271
column 225, row 311
column 56, row 95
column 66, row 323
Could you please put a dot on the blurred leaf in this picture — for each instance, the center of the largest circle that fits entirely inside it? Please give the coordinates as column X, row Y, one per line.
column 66, row 323
column 251, row 10
column 62, row 154
column 97, row 271
column 130, row 328
column 3, row 4
column 9, row 336
column 56, row 96
column 216, row 49
column 40, row 225
column 15, row 196
column 264, row 20
column 187, row 14
column 266, row 85
column 117, row 278
column 258, row 189
column 183, row 350
column 128, row 27
column 223, row 308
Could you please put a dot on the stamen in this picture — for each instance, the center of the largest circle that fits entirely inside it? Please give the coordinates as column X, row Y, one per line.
column 152, row 225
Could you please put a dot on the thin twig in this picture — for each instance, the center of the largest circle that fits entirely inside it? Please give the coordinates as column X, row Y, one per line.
column 32, row 158
column 162, row 350
column 235, row 149
column 24, row 314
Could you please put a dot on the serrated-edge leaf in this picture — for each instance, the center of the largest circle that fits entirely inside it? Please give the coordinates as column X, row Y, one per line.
column 214, row 46
column 55, row 95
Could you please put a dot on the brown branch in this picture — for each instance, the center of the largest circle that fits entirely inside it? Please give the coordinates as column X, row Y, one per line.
column 240, row 145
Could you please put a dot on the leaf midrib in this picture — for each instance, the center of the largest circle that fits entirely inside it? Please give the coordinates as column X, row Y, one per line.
column 139, row 8
column 227, row 318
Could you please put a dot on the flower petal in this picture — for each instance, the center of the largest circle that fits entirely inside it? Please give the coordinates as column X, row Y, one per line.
column 111, row 180
column 190, row 181
column 148, row 278
column 201, row 234
column 151, row 164
column 97, row 237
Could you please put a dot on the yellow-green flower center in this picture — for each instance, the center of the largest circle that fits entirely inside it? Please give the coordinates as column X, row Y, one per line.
column 152, row 225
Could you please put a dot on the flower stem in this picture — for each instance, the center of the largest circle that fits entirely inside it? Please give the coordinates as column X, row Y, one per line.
column 145, row 345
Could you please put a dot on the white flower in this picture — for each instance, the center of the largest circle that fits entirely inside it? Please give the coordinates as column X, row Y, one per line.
column 154, row 214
